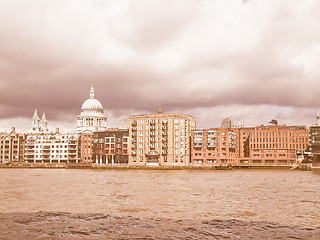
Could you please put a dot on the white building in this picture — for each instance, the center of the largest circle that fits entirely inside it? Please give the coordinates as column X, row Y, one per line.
column 44, row 146
column 52, row 148
column 92, row 117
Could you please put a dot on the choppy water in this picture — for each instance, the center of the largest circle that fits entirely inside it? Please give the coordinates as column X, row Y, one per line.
column 283, row 203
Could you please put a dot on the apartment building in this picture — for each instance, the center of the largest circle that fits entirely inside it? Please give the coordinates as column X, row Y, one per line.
column 111, row 147
column 12, row 146
column 86, row 146
column 51, row 148
column 214, row 146
column 160, row 139
column 271, row 144
column 315, row 141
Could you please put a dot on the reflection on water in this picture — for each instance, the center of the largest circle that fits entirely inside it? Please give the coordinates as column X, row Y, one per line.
column 285, row 197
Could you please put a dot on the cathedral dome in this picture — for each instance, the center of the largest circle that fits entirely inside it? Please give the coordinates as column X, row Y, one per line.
column 92, row 105
column 92, row 116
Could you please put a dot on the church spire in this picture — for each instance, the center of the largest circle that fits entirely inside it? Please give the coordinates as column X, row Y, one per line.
column 92, row 95
column 35, row 120
column 44, row 123
column 318, row 118
column 35, row 115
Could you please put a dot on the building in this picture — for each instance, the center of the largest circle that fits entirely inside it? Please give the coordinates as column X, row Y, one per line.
column 227, row 123
column 315, row 141
column 12, row 146
column 51, row 148
column 111, row 147
column 160, row 139
column 39, row 125
column 214, row 146
column 271, row 145
column 86, row 146
column 92, row 117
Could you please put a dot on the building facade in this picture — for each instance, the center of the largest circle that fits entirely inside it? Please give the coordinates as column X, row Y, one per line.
column 12, row 146
column 92, row 117
column 315, row 141
column 86, row 146
column 111, row 147
column 51, row 148
column 160, row 139
column 214, row 146
column 272, row 145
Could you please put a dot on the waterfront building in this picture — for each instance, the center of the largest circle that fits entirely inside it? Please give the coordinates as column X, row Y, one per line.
column 315, row 141
column 111, row 147
column 160, row 139
column 52, row 148
column 214, row 146
column 86, row 146
column 12, row 146
column 272, row 144
column 243, row 147
column 92, row 117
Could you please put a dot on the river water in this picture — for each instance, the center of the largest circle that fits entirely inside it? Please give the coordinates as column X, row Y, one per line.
column 288, row 201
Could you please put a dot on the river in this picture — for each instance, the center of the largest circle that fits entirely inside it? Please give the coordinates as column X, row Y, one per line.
column 288, row 201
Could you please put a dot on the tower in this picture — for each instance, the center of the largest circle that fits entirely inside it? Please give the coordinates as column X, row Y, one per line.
column 44, row 123
column 35, row 121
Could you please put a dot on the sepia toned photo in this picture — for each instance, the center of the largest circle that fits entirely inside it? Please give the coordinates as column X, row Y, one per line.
column 159, row 119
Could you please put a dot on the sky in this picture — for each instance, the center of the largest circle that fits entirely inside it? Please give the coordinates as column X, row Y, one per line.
column 249, row 60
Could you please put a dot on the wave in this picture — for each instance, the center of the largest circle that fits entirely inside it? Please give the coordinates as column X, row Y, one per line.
column 62, row 225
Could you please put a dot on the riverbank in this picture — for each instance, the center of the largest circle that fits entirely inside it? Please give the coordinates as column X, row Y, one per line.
column 148, row 167
column 60, row 225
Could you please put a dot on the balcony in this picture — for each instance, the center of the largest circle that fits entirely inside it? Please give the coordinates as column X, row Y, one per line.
column 152, row 154
column 197, row 145
column 211, row 145
column 30, row 144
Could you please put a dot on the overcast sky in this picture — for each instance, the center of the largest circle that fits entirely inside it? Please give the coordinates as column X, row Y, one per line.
column 250, row 60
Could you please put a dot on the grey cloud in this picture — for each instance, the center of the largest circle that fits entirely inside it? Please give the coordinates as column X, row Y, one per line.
column 52, row 69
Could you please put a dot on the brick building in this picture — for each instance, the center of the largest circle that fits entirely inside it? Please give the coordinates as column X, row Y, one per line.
column 214, row 146
column 271, row 145
column 111, row 147
column 86, row 146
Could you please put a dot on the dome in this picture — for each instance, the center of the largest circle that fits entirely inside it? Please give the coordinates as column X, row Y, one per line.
column 92, row 105
column 92, row 116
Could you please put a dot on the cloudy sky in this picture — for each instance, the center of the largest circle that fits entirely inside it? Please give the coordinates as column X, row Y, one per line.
column 250, row 60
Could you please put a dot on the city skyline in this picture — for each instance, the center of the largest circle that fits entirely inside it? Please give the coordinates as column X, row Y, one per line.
column 251, row 61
